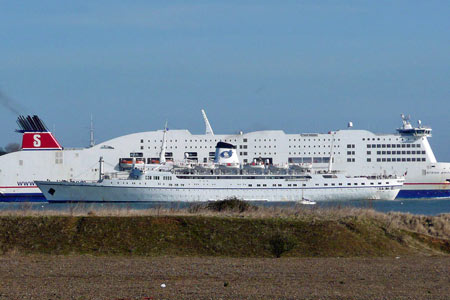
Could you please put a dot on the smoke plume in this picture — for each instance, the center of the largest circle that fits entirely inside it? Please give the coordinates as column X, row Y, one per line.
column 10, row 104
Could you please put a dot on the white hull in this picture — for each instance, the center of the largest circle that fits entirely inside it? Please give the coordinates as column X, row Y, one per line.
column 193, row 190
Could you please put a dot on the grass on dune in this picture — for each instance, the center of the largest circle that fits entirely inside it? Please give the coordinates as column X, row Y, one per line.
column 224, row 229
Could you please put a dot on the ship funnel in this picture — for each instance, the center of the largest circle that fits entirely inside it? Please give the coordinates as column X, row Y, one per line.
column 226, row 154
column 36, row 135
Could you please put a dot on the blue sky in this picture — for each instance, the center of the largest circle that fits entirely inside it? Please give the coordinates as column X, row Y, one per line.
column 300, row 66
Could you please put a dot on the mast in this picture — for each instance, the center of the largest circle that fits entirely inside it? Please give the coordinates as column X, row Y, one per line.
column 162, row 156
column 100, row 168
column 92, row 141
column 208, row 129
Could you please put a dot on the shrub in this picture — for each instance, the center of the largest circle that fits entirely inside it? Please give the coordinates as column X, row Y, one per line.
column 280, row 243
column 231, row 204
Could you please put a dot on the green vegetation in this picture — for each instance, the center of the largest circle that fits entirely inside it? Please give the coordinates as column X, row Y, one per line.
column 216, row 234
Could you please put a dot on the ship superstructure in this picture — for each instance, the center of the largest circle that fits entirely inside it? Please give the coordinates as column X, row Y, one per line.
column 356, row 152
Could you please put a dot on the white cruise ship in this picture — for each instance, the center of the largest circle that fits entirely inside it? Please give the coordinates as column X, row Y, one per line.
column 357, row 152
column 225, row 178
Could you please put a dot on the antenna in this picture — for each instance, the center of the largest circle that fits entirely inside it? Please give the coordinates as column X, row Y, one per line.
column 92, row 141
column 208, row 129
column 162, row 155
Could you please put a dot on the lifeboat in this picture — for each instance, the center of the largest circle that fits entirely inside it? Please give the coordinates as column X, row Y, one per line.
column 256, row 165
column 127, row 163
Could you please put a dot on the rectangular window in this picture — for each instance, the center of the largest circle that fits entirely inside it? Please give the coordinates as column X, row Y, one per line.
column 369, row 160
column 369, row 152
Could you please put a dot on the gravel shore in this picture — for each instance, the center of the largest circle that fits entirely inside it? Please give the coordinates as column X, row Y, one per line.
column 118, row 277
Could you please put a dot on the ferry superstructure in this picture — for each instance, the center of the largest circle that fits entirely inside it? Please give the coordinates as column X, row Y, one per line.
column 225, row 178
column 357, row 152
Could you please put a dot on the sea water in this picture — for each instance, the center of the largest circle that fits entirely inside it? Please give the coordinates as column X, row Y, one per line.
column 422, row 206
